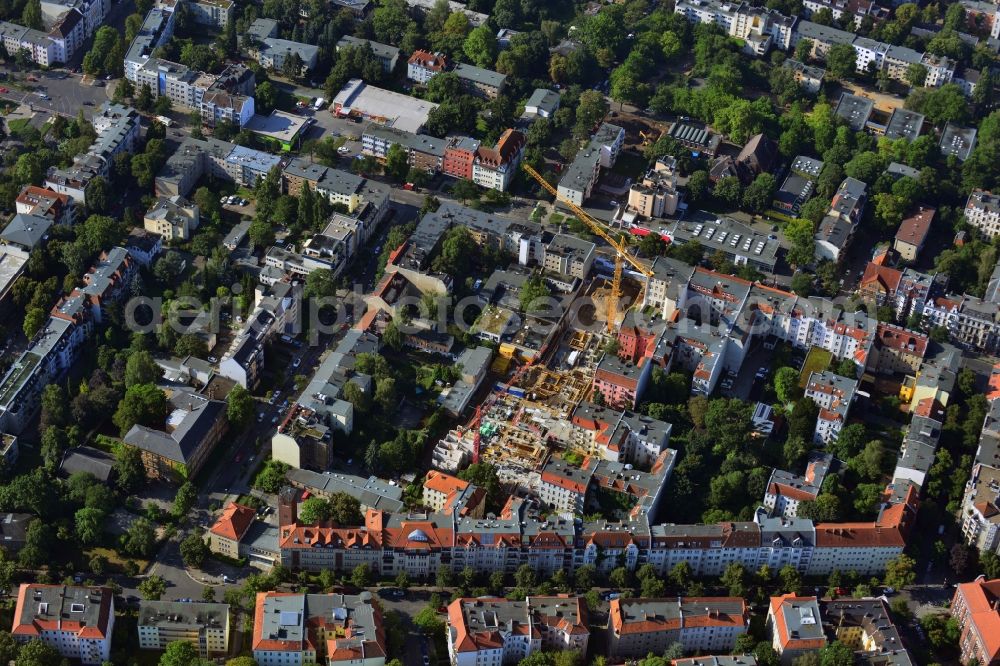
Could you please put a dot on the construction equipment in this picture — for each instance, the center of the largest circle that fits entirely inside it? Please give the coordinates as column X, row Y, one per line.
column 484, row 407
column 621, row 252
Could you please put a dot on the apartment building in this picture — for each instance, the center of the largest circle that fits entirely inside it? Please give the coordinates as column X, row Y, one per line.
column 43, row 202
column 225, row 97
column 619, row 435
column 580, row 176
column 387, row 55
column 422, row 151
column 481, row 82
column 422, row 66
column 759, row 28
column 339, row 187
column 568, row 256
column 76, row 621
column 795, row 625
column 855, row 10
column 494, row 631
column 563, row 486
column 836, row 229
column 93, row 13
column 866, row 627
column 197, row 423
column 786, row 491
column 668, row 285
column 117, row 130
column 834, row 394
column 494, row 168
column 912, row 233
column 459, row 157
column 982, row 211
column 975, row 606
column 438, row 487
column 272, row 52
column 205, row 625
column 292, row 629
column 808, row 77
column 656, row 195
column 226, row 161
column 638, row 627
column 418, row 544
column 174, row 218
column 49, row 355
column 621, row 383
column 213, row 13
column 972, row 322
column 157, row 28
column 41, row 49
column 305, row 441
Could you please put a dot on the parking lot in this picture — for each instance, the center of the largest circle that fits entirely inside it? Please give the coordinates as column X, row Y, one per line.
column 65, row 93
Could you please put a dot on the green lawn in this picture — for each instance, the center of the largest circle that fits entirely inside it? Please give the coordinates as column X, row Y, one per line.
column 18, row 125
column 817, row 360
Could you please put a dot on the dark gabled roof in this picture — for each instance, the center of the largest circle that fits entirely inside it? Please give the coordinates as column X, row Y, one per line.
column 95, row 462
column 192, row 418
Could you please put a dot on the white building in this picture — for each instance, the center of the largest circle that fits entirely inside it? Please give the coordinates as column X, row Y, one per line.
column 982, row 211
column 333, row 629
column 203, row 624
column 523, row 628
column 833, row 393
column 77, row 621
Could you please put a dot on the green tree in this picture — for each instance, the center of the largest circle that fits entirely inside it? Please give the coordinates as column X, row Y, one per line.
column 728, row 189
column 790, row 579
column 37, row 653
column 194, row 551
column 321, row 283
column 916, row 74
column 89, row 525
column 180, row 653
column 152, row 588
column 128, row 467
column 841, row 60
column 31, row 16
column 184, row 500
column 481, row 47
column 139, row 539
column 758, row 195
column 140, row 368
column 143, row 404
column 427, row 621
column 397, row 162
column 900, row 572
column 361, row 576
column 34, row 320
column 239, row 407
column 734, row 579
column 786, row 384
column 260, row 233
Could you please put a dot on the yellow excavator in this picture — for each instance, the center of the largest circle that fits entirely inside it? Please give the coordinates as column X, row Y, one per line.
column 621, row 251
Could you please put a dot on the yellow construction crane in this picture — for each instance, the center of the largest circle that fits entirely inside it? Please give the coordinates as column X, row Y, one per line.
column 618, row 244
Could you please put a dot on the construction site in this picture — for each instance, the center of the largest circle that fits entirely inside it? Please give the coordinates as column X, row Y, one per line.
column 529, row 416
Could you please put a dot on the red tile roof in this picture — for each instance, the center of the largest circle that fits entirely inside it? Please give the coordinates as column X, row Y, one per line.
column 914, row 229
column 234, row 522
column 444, row 483
column 981, row 601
